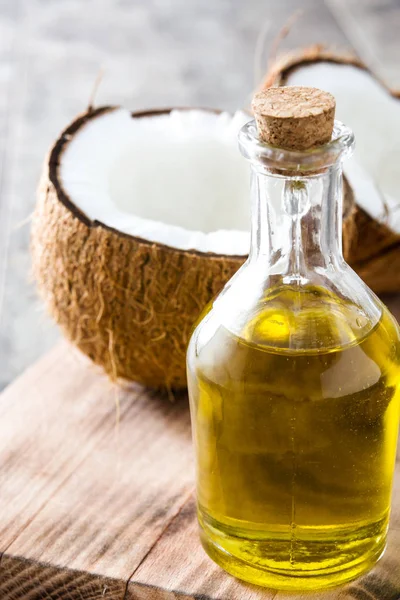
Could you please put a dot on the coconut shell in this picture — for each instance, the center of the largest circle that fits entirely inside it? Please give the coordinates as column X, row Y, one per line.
column 374, row 249
column 127, row 303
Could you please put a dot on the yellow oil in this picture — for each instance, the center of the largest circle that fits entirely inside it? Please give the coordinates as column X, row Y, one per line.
column 295, row 421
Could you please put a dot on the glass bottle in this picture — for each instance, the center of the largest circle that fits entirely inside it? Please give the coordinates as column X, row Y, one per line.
column 293, row 374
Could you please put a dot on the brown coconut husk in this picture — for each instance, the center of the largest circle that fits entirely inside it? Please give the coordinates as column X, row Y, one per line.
column 127, row 303
column 374, row 249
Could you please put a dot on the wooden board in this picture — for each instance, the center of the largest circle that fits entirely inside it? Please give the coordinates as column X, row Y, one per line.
column 97, row 499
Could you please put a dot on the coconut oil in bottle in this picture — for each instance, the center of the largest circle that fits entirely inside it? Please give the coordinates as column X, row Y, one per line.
column 294, row 389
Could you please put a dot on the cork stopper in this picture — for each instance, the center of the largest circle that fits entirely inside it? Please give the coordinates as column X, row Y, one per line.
column 294, row 117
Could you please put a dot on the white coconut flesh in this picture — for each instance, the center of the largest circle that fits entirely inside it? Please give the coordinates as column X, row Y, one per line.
column 176, row 179
column 374, row 115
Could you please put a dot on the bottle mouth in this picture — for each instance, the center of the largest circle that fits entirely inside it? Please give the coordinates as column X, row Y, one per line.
column 339, row 147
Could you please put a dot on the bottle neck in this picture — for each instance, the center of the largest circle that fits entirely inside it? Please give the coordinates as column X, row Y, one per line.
column 297, row 222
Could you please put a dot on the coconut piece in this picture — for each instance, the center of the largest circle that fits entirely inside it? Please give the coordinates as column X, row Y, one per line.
column 281, row 68
column 373, row 112
column 117, row 251
column 148, row 177
column 294, row 118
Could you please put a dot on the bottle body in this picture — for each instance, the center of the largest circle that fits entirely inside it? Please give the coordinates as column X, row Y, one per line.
column 295, row 449
column 294, row 385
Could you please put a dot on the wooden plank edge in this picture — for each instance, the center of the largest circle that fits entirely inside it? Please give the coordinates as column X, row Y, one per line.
column 22, row 579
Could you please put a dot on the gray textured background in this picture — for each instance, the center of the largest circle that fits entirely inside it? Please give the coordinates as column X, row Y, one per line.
column 154, row 53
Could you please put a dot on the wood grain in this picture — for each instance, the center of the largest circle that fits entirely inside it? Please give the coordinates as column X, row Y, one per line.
column 82, row 489
column 97, row 498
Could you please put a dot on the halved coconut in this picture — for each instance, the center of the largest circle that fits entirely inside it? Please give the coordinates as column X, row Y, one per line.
column 373, row 112
column 141, row 219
